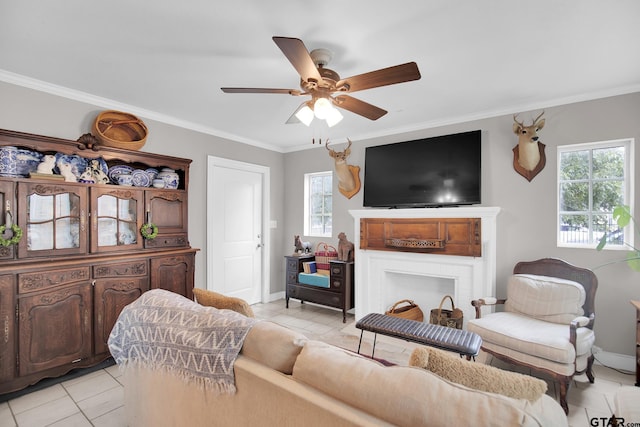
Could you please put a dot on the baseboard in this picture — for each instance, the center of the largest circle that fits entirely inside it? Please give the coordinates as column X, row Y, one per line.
column 276, row 296
column 618, row 361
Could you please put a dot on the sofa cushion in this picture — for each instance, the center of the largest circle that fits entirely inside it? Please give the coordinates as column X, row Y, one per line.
column 408, row 396
column 529, row 335
column 477, row 375
column 273, row 345
column 546, row 298
column 214, row 299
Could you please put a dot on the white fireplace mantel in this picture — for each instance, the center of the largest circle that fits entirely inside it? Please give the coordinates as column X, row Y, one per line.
column 471, row 277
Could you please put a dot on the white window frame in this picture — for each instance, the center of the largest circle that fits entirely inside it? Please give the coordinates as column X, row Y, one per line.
column 307, row 202
column 628, row 191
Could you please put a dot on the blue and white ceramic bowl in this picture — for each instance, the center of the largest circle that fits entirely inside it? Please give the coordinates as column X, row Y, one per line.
column 152, row 172
column 125, row 179
column 115, row 171
column 140, row 178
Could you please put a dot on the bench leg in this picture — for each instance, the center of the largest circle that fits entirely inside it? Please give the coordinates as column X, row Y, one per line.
column 374, row 344
column 360, row 343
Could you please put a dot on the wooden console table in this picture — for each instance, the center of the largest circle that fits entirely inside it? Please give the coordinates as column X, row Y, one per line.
column 636, row 304
column 339, row 294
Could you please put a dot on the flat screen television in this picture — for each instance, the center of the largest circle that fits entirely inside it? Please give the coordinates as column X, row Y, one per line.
column 430, row 172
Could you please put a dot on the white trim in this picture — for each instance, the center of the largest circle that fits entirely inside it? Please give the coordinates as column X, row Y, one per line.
column 618, row 361
column 629, row 187
column 265, row 171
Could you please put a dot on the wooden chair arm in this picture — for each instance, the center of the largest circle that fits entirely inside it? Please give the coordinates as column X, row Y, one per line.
column 575, row 324
column 478, row 303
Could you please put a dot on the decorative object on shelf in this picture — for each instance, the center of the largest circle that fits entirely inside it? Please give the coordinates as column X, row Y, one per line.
column 449, row 318
column 158, row 183
column 66, row 170
column 98, row 173
column 324, row 254
column 348, row 175
column 345, row 248
column 125, row 179
column 152, row 172
column 410, row 310
column 120, row 130
column 114, row 171
column 301, row 247
column 27, row 161
column 8, row 161
column 79, row 164
column 87, row 177
column 149, row 231
column 528, row 156
column 47, row 164
column 170, row 177
column 140, row 178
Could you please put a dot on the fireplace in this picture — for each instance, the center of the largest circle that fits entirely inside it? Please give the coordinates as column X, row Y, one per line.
column 383, row 277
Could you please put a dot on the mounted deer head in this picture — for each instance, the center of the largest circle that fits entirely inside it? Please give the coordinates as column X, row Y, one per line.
column 529, row 158
column 348, row 175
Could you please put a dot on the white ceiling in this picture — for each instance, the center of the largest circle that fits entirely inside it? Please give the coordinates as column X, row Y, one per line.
column 167, row 60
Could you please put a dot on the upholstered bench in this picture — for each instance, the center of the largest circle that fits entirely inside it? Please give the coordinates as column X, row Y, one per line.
column 463, row 342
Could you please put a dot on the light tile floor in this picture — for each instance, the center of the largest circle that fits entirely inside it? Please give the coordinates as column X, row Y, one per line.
column 96, row 399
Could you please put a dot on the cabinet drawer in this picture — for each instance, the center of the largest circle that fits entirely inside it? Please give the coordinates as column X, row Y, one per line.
column 32, row 282
column 318, row 296
column 167, row 241
column 124, row 269
column 292, row 265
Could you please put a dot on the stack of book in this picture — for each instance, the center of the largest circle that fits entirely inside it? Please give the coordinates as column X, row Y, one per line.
column 309, row 267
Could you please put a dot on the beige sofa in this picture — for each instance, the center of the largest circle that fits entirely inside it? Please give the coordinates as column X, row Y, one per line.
column 283, row 379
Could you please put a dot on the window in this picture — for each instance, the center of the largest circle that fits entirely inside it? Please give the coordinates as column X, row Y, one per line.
column 593, row 178
column 318, row 204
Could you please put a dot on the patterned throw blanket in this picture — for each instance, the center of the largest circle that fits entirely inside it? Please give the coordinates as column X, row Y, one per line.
column 166, row 331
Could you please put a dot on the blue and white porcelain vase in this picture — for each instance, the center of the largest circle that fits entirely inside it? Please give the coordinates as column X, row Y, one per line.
column 170, row 177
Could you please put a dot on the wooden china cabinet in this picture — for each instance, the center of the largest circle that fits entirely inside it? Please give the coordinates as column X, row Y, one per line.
column 81, row 257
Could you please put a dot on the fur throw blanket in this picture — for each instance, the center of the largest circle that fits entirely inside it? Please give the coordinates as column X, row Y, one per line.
column 166, row 331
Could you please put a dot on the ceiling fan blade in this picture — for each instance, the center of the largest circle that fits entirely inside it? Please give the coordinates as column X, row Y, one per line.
column 359, row 107
column 296, row 52
column 383, row 77
column 293, row 92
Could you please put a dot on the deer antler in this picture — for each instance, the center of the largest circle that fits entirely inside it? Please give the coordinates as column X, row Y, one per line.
column 517, row 122
column 537, row 118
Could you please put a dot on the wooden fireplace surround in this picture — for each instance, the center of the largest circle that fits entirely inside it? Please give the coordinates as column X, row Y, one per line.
column 445, row 236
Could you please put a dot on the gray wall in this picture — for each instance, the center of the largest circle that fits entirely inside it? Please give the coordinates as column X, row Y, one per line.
column 35, row 112
column 527, row 221
column 526, row 224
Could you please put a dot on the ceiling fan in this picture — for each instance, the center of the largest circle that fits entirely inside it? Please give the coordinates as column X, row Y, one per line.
column 325, row 86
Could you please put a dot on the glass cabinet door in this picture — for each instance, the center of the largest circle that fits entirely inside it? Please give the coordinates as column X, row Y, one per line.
column 53, row 219
column 117, row 216
column 8, row 216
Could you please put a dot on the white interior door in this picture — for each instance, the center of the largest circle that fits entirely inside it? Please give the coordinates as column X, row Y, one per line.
column 236, row 241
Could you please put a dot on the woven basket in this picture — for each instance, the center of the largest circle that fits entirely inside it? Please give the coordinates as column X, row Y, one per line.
column 324, row 254
column 120, row 130
column 410, row 311
column 450, row 318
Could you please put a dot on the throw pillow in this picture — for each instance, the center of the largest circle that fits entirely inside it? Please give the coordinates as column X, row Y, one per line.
column 214, row 299
column 476, row 375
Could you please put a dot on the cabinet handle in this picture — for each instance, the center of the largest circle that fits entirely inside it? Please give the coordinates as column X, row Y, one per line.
column 6, row 329
column 82, row 220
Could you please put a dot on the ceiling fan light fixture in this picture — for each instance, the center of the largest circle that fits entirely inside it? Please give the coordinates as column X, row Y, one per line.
column 334, row 117
column 322, row 108
column 305, row 115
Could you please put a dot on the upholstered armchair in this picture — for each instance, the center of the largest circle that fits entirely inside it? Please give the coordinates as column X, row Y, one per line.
column 547, row 322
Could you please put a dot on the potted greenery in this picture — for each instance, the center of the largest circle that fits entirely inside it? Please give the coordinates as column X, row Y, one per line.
column 622, row 216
